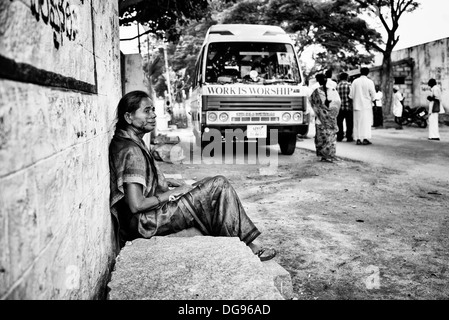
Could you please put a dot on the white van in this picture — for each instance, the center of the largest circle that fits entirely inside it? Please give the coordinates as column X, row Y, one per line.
column 248, row 77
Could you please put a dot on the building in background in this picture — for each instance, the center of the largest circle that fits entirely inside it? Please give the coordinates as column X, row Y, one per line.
column 412, row 69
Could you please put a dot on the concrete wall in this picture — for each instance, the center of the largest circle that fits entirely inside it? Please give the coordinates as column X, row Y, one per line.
column 133, row 78
column 431, row 60
column 59, row 87
column 134, row 75
column 401, row 69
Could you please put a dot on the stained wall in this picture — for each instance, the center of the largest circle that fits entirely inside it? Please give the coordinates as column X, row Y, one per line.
column 431, row 60
column 59, row 87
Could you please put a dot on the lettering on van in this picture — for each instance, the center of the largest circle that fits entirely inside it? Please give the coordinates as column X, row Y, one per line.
column 252, row 90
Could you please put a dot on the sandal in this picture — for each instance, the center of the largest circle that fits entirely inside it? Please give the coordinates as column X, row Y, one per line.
column 265, row 254
column 327, row 160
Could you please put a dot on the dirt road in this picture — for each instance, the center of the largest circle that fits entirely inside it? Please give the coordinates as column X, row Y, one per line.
column 348, row 230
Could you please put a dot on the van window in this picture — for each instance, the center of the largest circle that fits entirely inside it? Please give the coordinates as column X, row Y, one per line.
column 251, row 62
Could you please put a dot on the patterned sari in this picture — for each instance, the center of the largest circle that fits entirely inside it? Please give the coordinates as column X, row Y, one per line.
column 326, row 123
column 212, row 206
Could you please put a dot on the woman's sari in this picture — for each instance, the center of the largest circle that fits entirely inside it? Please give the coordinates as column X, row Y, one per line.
column 212, row 206
column 326, row 122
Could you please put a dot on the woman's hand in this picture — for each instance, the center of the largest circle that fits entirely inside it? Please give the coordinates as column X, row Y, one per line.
column 179, row 191
column 175, row 183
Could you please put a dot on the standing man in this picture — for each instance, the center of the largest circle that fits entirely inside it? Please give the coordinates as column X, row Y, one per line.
column 377, row 108
column 346, row 112
column 363, row 94
column 434, row 98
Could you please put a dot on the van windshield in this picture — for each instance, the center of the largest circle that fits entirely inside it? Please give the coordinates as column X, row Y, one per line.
column 251, row 63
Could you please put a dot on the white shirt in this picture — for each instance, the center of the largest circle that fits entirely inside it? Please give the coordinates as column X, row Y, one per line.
column 331, row 84
column 378, row 97
column 397, row 105
column 362, row 93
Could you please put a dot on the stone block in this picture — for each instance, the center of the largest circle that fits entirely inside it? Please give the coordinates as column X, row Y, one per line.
column 191, row 232
column 190, row 268
column 282, row 279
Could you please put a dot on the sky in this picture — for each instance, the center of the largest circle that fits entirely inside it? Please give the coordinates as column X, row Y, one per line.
column 427, row 23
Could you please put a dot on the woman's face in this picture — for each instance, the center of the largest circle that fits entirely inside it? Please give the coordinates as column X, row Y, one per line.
column 144, row 118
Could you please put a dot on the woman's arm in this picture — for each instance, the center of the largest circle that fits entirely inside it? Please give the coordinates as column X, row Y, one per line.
column 137, row 202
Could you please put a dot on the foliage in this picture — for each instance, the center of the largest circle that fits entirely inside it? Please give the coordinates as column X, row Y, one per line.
column 167, row 18
column 313, row 23
column 388, row 12
column 247, row 11
column 164, row 18
column 337, row 26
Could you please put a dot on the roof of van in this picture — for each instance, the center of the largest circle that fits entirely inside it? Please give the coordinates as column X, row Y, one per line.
column 246, row 32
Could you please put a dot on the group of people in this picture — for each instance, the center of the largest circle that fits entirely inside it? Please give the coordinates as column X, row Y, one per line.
column 359, row 104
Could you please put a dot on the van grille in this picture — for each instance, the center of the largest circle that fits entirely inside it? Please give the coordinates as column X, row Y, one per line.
column 254, row 103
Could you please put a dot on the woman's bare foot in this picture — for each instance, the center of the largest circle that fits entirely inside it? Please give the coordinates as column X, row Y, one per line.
column 264, row 254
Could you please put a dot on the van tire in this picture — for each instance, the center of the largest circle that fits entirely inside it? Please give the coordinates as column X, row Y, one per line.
column 287, row 143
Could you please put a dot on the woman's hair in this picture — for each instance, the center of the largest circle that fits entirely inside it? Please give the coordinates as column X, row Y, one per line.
column 432, row 82
column 320, row 77
column 130, row 102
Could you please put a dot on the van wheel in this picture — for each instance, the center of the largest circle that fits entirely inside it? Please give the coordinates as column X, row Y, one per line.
column 287, row 143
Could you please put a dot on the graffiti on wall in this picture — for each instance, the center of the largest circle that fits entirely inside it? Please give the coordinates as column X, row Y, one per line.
column 60, row 15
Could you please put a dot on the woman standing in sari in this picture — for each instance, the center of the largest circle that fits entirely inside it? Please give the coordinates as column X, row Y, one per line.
column 325, row 103
column 144, row 203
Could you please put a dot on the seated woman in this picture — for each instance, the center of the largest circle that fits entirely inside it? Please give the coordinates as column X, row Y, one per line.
column 145, row 203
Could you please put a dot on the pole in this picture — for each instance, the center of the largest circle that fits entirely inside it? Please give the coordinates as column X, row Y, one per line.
column 168, row 74
column 138, row 36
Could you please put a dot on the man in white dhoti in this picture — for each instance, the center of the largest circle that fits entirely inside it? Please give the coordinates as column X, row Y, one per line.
column 363, row 93
column 435, row 97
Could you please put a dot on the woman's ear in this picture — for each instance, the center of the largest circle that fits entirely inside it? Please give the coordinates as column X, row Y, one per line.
column 128, row 118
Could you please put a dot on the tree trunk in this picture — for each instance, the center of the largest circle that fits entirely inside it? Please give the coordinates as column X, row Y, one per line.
column 387, row 79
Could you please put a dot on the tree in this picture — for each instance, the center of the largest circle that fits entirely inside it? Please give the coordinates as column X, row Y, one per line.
column 154, row 70
column 164, row 18
column 247, row 11
column 313, row 23
column 389, row 13
column 339, row 24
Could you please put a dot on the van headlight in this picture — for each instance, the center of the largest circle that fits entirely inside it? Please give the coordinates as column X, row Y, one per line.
column 212, row 116
column 297, row 117
column 223, row 117
column 286, row 117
